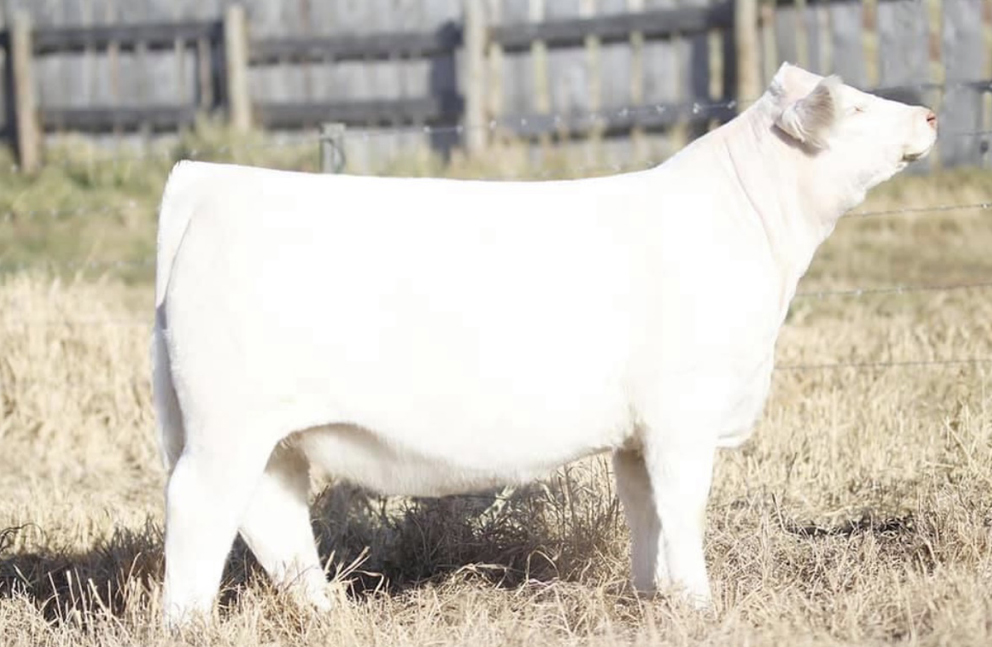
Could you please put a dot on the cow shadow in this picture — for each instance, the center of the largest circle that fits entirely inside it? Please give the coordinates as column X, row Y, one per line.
column 368, row 543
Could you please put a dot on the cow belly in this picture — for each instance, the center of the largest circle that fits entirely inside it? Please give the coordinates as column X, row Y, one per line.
column 360, row 456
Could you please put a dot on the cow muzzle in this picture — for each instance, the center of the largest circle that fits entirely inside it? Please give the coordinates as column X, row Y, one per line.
column 924, row 135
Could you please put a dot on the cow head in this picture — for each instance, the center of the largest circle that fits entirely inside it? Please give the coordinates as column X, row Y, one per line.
column 857, row 137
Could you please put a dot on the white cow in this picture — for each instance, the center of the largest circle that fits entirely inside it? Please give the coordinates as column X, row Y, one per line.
column 430, row 337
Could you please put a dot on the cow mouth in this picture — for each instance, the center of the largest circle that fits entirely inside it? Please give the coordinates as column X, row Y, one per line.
column 915, row 155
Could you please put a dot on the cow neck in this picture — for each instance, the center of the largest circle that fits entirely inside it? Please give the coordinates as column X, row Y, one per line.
column 780, row 182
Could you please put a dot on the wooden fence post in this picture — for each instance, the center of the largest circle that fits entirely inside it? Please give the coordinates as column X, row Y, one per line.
column 539, row 63
column 27, row 130
column 236, row 67
column 746, row 51
column 475, row 42
column 332, row 158
column 495, row 71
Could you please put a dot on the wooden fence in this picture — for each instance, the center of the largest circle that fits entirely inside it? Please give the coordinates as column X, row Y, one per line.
column 654, row 72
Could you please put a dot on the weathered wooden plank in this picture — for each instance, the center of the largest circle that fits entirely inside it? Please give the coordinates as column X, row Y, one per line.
column 653, row 24
column 539, row 60
column 613, row 122
column 517, row 68
column 815, row 20
column 615, row 68
column 117, row 118
column 263, row 16
column 353, row 18
column 75, row 85
column 196, row 9
column 343, row 47
column 322, row 82
column 387, row 83
column 194, row 58
column 103, row 81
column 339, row 81
column 963, row 51
column 50, row 70
column 846, row 28
column 615, row 62
column 638, row 141
column 294, row 15
column 904, row 55
column 766, row 36
column 265, row 20
column 786, row 29
column 371, row 112
column 161, row 65
column 132, row 61
column 696, row 63
column 593, row 46
column 662, row 82
column 568, row 69
column 593, row 52
column 903, row 52
column 742, row 54
column 155, row 35
column 45, row 12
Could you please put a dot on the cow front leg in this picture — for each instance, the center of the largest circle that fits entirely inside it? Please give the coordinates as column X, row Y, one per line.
column 276, row 527
column 680, row 470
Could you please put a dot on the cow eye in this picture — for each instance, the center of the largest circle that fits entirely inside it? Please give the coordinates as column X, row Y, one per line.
column 856, row 110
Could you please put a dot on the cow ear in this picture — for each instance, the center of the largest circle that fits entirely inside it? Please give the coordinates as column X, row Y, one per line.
column 810, row 119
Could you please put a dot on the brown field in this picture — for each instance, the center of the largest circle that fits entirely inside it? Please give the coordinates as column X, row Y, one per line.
column 859, row 513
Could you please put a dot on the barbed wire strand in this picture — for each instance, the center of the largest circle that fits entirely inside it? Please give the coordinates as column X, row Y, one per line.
column 895, row 289
column 937, row 208
column 820, row 294
column 827, row 366
column 816, row 294
column 132, row 207
column 912, row 363
column 76, row 265
column 570, row 172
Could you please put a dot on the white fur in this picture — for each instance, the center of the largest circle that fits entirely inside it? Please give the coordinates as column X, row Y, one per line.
column 429, row 336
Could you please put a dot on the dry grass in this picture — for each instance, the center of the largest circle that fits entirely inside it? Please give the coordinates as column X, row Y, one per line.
column 859, row 513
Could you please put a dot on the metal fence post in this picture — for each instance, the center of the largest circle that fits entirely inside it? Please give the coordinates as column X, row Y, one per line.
column 332, row 159
column 27, row 131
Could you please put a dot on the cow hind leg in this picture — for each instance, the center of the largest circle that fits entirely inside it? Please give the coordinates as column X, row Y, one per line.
column 208, row 494
column 648, row 566
column 276, row 527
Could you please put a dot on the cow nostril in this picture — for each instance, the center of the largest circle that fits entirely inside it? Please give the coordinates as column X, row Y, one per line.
column 932, row 119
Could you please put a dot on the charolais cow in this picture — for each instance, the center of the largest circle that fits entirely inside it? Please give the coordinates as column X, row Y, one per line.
column 430, row 336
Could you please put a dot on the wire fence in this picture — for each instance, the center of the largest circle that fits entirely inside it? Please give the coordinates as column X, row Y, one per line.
column 967, row 362
column 912, row 363
column 527, row 126
column 179, row 152
column 574, row 121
